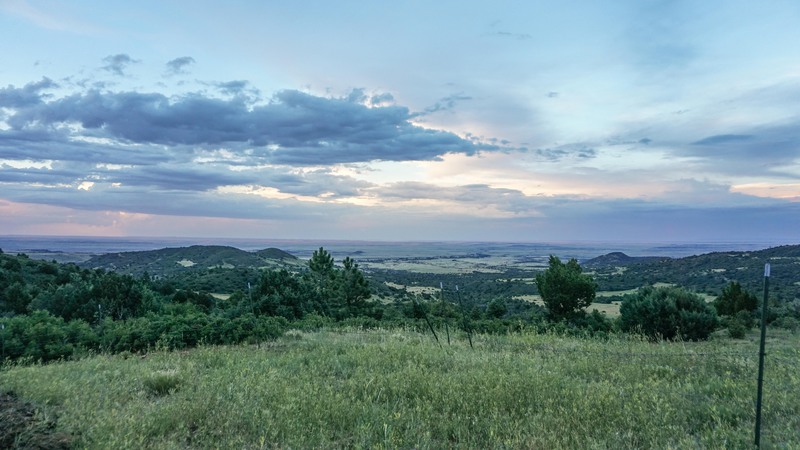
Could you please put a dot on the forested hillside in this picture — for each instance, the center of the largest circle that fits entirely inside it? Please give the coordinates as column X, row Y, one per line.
column 708, row 273
column 172, row 261
column 51, row 310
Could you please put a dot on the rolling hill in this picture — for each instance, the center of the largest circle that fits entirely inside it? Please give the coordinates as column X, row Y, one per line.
column 705, row 273
column 621, row 259
column 172, row 261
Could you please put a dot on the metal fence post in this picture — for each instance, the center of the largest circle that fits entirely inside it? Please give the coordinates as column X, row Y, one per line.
column 761, row 354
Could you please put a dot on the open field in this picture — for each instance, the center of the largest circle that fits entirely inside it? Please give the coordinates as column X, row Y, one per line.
column 398, row 389
column 609, row 309
column 444, row 265
column 613, row 293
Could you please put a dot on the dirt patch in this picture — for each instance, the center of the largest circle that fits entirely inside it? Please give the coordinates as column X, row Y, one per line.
column 21, row 426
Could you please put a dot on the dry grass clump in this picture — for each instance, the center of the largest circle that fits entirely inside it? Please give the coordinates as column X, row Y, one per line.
column 162, row 382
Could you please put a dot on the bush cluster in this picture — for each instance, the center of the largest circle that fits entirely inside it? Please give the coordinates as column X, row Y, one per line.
column 41, row 336
column 668, row 313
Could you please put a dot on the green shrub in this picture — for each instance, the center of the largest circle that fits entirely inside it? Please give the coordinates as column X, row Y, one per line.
column 735, row 299
column 497, row 309
column 736, row 329
column 43, row 337
column 786, row 322
column 746, row 318
column 668, row 313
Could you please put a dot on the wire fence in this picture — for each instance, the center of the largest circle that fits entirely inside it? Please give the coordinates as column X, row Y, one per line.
column 710, row 379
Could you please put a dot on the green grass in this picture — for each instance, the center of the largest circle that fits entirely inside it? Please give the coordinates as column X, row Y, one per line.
column 398, row 389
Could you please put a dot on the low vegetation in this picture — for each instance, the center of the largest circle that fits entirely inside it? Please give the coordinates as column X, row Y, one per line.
column 399, row 389
column 668, row 313
column 55, row 311
column 336, row 357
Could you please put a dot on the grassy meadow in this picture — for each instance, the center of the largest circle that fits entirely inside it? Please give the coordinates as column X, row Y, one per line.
column 399, row 389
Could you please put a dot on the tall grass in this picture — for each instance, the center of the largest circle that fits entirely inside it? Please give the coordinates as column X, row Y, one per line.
column 398, row 389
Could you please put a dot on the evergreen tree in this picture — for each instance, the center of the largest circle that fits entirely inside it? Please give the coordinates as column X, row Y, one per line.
column 321, row 262
column 565, row 290
column 734, row 299
column 351, row 285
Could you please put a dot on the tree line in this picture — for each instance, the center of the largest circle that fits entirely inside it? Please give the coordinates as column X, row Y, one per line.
column 50, row 311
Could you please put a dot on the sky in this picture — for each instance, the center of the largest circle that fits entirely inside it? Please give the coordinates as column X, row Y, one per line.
column 633, row 120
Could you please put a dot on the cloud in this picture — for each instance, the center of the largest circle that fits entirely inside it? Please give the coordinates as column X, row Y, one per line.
column 635, row 220
column 294, row 128
column 510, row 35
column 316, row 183
column 723, row 139
column 178, row 177
column 504, row 34
column 117, row 64
column 140, row 200
column 206, row 156
column 445, row 104
column 576, row 150
column 473, row 198
column 242, row 89
column 768, row 150
column 384, row 99
column 30, row 94
column 178, row 66
column 44, row 144
column 234, row 87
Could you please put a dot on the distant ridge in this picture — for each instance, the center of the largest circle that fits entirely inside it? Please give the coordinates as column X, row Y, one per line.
column 275, row 253
column 707, row 273
column 168, row 261
column 621, row 259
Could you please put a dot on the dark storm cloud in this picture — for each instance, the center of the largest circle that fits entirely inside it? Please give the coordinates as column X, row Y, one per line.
column 293, row 128
column 116, row 64
column 178, row 66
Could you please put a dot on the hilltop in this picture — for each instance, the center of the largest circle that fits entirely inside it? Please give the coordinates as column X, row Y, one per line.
column 621, row 259
column 706, row 273
column 173, row 261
